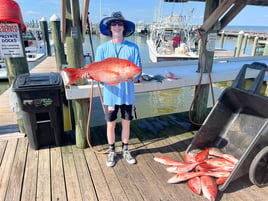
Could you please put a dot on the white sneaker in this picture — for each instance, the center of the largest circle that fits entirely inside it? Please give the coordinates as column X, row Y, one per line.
column 129, row 158
column 111, row 159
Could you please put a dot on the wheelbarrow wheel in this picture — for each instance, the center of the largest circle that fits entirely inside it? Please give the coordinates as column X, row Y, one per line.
column 258, row 170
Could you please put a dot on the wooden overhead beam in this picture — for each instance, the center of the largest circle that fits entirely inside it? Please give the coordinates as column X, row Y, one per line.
column 215, row 16
column 250, row 2
column 240, row 4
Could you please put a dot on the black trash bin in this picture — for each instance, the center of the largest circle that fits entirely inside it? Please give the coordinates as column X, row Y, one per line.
column 40, row 101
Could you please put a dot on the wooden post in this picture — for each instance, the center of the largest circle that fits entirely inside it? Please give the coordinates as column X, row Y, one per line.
column 16, row 66
column 76, row 59
column 222, row 40
column 58, row 45
column 265, row 51
column 244, row 43
column 44, row 28
column 255, row 45
column 238, row 43
column 206, row 57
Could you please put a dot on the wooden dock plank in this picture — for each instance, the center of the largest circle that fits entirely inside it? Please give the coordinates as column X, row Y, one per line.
column 70, row 173
column 30, row 176
column 128, row 185
column 96, row 173
column 117, row 190
column 163, row 176
column 125, row 176
column 85, row 181
column 139, row 150
column 17, row 172
column 58, row 189
column 7, row 117
column 141, row 174
column 44, row 175
column 6, row 166
column 160, row 148
column 3, row 145
column 100, row 184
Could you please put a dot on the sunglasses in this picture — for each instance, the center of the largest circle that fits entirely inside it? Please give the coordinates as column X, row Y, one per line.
column 119, row 23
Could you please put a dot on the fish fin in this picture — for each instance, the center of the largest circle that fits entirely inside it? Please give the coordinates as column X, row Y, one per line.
column 74, row 74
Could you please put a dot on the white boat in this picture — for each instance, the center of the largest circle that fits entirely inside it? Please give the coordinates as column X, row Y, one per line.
column 141, row 28
column 3, row 70
column 160, row 40
column 34, row 44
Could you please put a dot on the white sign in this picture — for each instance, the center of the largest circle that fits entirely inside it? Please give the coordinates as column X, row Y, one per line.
column 10, row 41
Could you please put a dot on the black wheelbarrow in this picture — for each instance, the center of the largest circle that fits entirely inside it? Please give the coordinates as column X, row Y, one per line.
column 238, row 125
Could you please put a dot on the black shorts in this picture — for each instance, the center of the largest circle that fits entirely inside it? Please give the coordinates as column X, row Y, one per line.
column 127, row 112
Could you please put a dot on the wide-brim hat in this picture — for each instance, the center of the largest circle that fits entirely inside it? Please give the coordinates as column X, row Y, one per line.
column 129, row 27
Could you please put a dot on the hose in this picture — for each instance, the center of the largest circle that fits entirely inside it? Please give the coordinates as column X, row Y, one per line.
column 91, row 98
column 200, row 80
column 89, row 118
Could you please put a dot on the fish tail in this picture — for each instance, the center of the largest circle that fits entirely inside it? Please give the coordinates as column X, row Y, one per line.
column 74, row 74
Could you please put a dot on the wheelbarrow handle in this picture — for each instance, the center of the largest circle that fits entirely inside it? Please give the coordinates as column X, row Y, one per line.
column 239, row 81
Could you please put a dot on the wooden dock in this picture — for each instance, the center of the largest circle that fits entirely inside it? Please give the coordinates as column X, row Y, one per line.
column 251, row 34
column 68, row 173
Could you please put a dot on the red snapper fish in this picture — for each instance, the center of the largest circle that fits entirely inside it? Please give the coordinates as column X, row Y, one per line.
column 209, row 187
column 171, row 75
column 168, row 161
column 177, row 178
column 110, row 70
column 216, row 152
column 195, row 185
column 179, row 169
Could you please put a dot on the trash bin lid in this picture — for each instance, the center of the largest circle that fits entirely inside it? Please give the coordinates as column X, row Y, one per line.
column 37, row 81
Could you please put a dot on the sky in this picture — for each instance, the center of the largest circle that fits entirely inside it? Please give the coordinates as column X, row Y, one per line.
column 140, row 10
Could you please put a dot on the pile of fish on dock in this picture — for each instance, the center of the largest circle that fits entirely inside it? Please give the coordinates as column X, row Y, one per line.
column 202, row 170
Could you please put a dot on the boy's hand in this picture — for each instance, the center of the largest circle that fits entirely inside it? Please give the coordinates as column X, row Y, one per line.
column 86, row 76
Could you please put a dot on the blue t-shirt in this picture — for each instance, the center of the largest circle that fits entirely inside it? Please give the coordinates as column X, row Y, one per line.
column 122, row 93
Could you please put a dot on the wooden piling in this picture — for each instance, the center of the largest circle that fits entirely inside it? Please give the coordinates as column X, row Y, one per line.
column 238, row 44
column 58, row 45
column 244, row 43
column 222, row 39
column 16, row 66
column 255, row 46
column 205, row 64
column 44, row 28
column 265, row 51
column 76, row 59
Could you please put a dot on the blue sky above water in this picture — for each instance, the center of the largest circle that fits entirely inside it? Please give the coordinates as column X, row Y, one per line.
column 140, row 10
